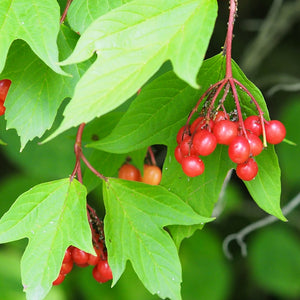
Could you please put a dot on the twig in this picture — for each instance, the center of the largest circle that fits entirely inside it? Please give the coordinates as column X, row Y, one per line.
column 240, row 235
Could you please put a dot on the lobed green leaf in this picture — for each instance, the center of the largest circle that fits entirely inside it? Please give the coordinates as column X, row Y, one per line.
column 50, row 231
column 26, row 20
column 135, row 216
column 131, row 43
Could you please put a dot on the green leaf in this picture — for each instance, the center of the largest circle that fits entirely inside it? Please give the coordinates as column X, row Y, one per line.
column 132, row 42
column 201, row 192
column 36, row 91
column 82, row 13
column 158, row 121
column 2, row 143
column 265, row 188
column 50, row 231
column 34, row 21
column 135, row 215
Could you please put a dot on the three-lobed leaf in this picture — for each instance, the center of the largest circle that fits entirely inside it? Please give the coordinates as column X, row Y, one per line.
column 36, row 91
column 136, row 215
column 132, row 42
column 26, row 20
column 52, row 216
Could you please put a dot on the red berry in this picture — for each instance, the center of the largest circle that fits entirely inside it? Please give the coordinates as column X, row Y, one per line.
column 204, row 142
column 66, row 267
column 177, row 153
column 186, row 147
column 68, row 255
column 129, row 172
column 256, row 145
column 275, row 132
column 182, row 133
column 225, row 131
column 247, row 170
column 252, row 123
column 4, row 87
column 192, row 166
column 93, row 260
column 2, row 109
column 239, row 149
column 79, row 257
column 197, row 124
column 221, row 115
column 102, row 271
column 152, row 175
column 60, row 278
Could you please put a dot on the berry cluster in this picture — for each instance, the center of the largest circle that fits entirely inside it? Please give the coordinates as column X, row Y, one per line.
column 152, row 174
column 101, row 270
column 202, row 136
column 4, row 87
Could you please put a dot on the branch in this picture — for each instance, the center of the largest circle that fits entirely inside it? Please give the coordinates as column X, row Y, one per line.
column 240, row 235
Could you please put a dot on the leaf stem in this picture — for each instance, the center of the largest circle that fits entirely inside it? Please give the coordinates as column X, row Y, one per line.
column 64, row 15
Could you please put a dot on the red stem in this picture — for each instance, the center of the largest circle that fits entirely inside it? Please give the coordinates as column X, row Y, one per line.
column 64, row 15
column 152, row 157
column 229, row 37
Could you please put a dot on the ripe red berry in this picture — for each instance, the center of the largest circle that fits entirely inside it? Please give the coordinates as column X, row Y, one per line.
column 152, row 175
column 129, row 172
column 2, row 109
column 93, row 260
column 4, row 87
column 182, row 133
column 177, row 153
column 68, row 255
column 247, row 170
column 256, row 145
column 197, row 124
column 66, row 267
column 60, row 278
column 192, row 166
column 239, row 149
column 221, row 115
column 79, row 257
column 186, row 147
column 204, row 142
column 102, row 272
column 225, row 131
column 253, row 124
column 275, row 132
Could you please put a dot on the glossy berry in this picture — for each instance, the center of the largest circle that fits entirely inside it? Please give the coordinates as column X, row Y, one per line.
column 256, row 145
column 182, row 133
column 79, row 257
column 221, row 115
column 102, row 271
column 177, row 153
column 60, row 278
column 129, row 172
column 247, row 170
column 253, row 124
column 93, row 260
column 197, row 124
column 225, row 131
column 66, row 267
column 68, row 255
column 152, row 175
column 204, row 142
column 239, row 149
column 275, row 132
column 186, row 147
column 4, row 87
column 192, row 166
column 2, row 109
